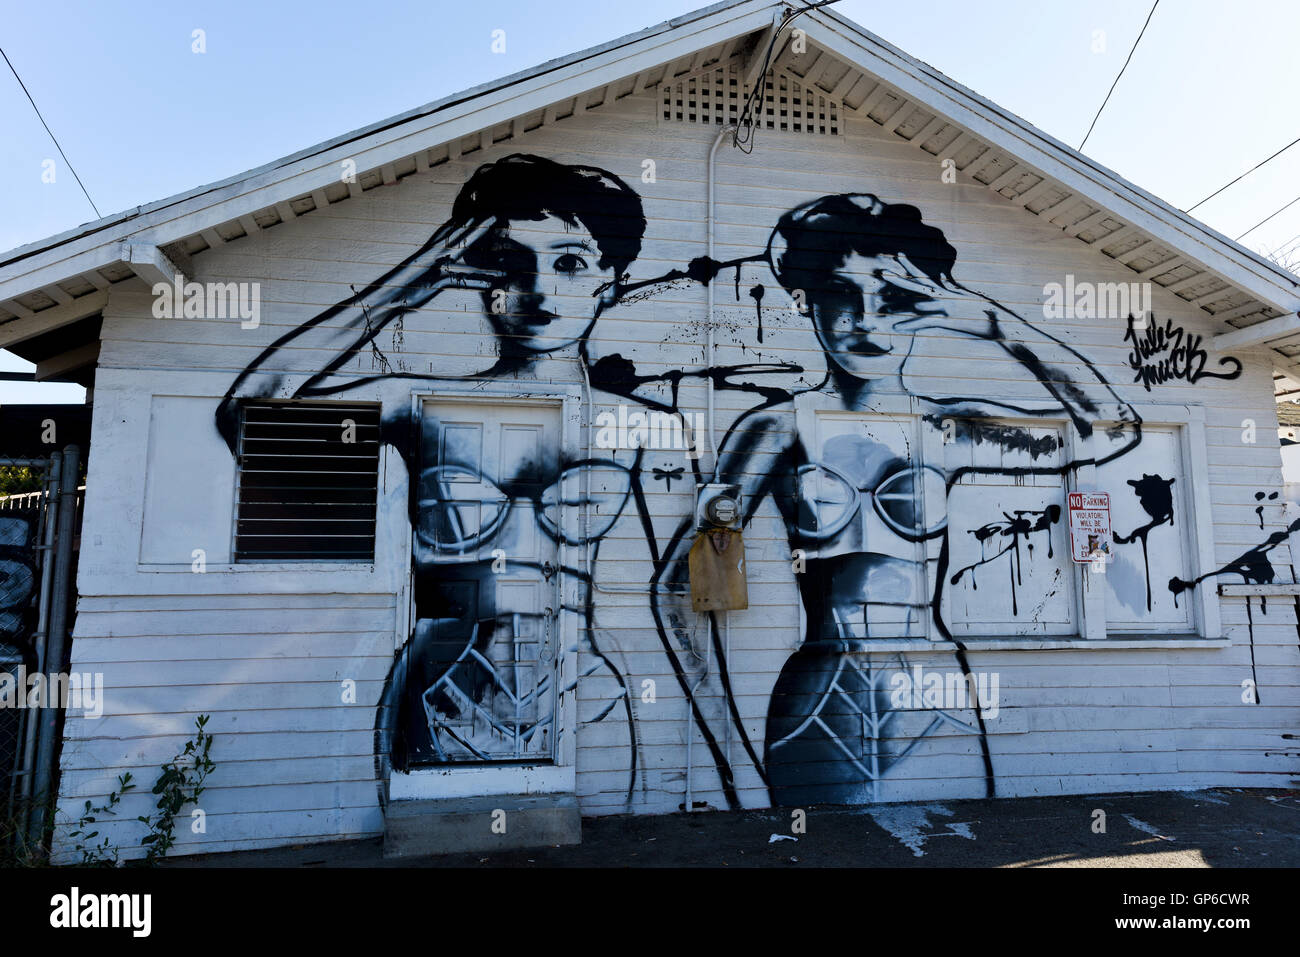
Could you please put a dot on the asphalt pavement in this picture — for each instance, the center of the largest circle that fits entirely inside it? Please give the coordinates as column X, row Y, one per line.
column 1225, row 827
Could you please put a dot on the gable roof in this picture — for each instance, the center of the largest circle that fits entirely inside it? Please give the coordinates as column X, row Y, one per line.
column 66, row 277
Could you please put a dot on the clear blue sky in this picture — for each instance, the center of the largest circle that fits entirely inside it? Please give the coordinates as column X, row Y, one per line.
column 1210, row 91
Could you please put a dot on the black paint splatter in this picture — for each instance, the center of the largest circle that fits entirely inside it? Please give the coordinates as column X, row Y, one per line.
column 1156, row 497
column 756, row 293
column 1252, row 565
column 1259, row 509
column 1016, row 524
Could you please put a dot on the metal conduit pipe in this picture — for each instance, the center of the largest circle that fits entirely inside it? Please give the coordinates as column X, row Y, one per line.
column 59, row 601
column 708, row 354
column 726, row 630
column 690, row 701
column 49, row 520
column 713, row 447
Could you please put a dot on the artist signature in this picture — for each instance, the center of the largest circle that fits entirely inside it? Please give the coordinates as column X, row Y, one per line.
column 1167, row 352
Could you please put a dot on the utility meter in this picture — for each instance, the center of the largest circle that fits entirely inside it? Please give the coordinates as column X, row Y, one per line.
column 717, row 506
column 722, row 510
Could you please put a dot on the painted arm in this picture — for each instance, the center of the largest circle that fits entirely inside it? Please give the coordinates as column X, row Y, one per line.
column 1071, row 384
column 346, row 328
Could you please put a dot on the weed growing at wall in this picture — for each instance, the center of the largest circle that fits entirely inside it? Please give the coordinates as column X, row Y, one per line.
column 101, row 854
column 179, row 784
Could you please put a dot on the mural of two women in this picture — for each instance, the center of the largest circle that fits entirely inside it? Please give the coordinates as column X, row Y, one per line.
column 531, row 237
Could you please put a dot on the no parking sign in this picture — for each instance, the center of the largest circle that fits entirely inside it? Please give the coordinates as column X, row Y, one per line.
column 1089, row 526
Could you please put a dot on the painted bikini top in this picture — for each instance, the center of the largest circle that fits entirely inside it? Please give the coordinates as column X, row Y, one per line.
column 829, row 500
column 460, row 510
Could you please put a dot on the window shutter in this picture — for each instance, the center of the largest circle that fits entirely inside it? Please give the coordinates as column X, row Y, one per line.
column 308, row 482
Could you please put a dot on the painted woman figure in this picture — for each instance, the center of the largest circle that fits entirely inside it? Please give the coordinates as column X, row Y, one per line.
column 537, row 250
column 751, row 398
column 892, row 319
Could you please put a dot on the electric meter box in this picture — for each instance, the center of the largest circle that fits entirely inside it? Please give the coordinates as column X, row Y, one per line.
column 717, row 505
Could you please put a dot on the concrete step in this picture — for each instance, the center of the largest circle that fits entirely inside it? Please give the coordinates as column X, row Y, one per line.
column 418, row 828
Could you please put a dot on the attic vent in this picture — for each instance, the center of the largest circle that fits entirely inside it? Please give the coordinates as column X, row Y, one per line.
column 308, row 479
column 717, row 96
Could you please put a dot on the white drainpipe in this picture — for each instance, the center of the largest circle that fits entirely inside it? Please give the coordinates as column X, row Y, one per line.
column 708, row 355
column 713, row 446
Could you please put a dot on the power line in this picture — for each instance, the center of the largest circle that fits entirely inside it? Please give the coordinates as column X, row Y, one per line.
column 758, row 95
column 51, row 132
column 1121, row 73
column 1245, row 174
column 1267, row 218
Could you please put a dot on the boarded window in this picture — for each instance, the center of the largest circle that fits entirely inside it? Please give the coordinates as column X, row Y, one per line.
column 1009, row 571
column 1151, row 528
column 308, row 481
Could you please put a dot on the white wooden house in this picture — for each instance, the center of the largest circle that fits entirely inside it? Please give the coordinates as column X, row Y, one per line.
column 396, row 445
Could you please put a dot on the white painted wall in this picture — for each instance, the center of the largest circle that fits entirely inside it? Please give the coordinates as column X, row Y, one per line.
column 264, row 649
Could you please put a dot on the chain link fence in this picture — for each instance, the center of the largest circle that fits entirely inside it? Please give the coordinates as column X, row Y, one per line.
column 20, row 519
column 18, row 592
column 12, row 727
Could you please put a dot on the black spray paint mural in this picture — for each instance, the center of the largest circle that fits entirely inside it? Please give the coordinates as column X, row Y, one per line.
column 477, row 680
column 885, row 546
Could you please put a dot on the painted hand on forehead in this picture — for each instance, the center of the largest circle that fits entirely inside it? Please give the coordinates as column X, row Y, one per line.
column 550, row 286
column 906, row 296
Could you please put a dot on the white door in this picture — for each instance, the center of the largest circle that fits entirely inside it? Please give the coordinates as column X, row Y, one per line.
column 481, row 661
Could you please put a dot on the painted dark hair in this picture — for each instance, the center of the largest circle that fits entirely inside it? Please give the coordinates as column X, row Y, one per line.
column 819, row 236
column 522, row 187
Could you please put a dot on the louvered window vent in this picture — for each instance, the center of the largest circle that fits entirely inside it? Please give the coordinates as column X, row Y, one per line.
column 717, row 97
column 308, row 482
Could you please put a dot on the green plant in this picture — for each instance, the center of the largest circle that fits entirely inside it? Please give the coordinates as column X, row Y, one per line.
column 102, row 854
column 16, row 479
column 179, row 784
